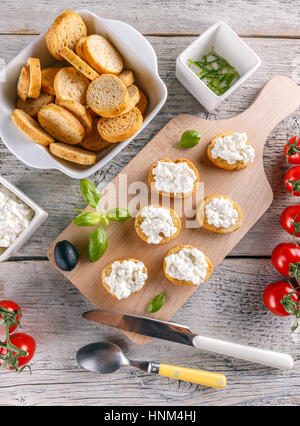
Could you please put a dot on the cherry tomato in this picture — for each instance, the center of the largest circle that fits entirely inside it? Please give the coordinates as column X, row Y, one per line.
column 11, row 307
column 288, row 216
column 25, row 343
column 291, row 181
column 292, row 150
column 283, row 255
column 274, row 293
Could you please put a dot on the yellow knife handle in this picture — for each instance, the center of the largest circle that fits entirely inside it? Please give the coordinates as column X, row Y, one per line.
column 201, row 377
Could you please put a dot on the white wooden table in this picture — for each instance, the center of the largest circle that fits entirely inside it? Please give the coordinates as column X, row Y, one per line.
column 230, row 305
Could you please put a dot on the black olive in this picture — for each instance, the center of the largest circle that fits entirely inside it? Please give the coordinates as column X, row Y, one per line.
column 65, row 255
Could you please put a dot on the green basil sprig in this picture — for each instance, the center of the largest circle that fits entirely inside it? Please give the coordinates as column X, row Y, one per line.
column 98, row 240
column 156, row 303
column 189, row 138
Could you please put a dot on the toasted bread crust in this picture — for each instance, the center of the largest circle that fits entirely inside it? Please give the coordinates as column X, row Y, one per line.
column 79, row 48
column 219, row 162
column 69, row 131
column 127, row 77
column 23, row 83
column 72, row 153
column 134, row 97
column 201, row 216
column 139, row 219
column 30, row 127
column 151, row 179
column 177, row 249
column 142, row 103
column 78, row 63
column 106, row 271
column 66, row 30
column 93, row 141
column 35, row 77
column 134, row 119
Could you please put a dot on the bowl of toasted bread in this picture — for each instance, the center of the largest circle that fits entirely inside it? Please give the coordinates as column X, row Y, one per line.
column 79, row 93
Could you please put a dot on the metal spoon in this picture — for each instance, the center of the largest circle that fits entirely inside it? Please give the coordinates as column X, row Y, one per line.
column 103, row 358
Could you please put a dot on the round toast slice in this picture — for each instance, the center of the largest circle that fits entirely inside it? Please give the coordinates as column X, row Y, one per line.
column 151, row 179
column 106, row 271
column 127, row 77
column 220, row 162
column 101, row 55
column 202, row 217
column 142, row 103
column 61, row 124
column 66, row 30
column 23, row 83
column 79, row 48
column 70, row 84
column 30, row 127
column 107, row 96
column 184, row 283
column 134, row 97
column 35, row 77
column 140, row 218
column 93, row 141
column 73, row 153
column 32, row 106
column 78, row 63
column 118, row 129
column 80, row 112
column 48, row 76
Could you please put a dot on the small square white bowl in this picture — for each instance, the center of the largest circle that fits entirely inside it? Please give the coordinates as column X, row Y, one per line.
column 139, row 56
column 229, row 46
column 39, row 217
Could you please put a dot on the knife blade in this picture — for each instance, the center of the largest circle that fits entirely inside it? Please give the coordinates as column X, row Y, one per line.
column 181, row 334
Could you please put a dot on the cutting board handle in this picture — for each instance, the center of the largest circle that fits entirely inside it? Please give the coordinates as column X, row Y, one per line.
column 277, row 99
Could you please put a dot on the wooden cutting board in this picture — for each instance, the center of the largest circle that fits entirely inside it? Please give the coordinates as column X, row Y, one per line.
column 249, row 188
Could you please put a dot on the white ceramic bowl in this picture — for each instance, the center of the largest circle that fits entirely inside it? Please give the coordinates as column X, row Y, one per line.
column 39, row 217
column 139, row 56
column 229, row 46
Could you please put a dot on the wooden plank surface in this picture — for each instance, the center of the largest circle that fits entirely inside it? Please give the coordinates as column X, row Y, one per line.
column 52, row 313
column 53, row 307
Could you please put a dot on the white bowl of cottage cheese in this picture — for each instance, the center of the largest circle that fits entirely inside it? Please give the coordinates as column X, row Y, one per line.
column 20, row 217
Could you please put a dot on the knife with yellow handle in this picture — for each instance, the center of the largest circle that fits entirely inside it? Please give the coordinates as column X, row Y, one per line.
column 201, row 377
column 180, row 334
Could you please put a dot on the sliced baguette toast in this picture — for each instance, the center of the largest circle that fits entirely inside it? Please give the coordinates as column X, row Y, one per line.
column 142, row 103
column 30, row 127
column 73, row 153
column 118, row 129
column 61, row 124
column 66, row 30
column 107, row 96
column 32, row 106
column 35, row 77
column 127, row 77
column 48, row 76
column 78, row 63
column 93, row 141
column 23, row 83
column 102, row 55
column 70, row 84
column 134, row 97
column 80, row 112
column 79, row 48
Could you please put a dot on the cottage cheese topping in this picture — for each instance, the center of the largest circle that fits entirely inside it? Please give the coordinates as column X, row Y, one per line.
column 233, row 148
column 125, row 278
column 221, row 213
column 15, row 216
column 187, row 265
column 177, row 178
column 157, row 221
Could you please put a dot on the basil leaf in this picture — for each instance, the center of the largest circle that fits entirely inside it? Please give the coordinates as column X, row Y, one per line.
column 89, row 192
column 118, row 214
column 98, row 243
column 87, row 219
column 189, row 139
column 156, row 303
